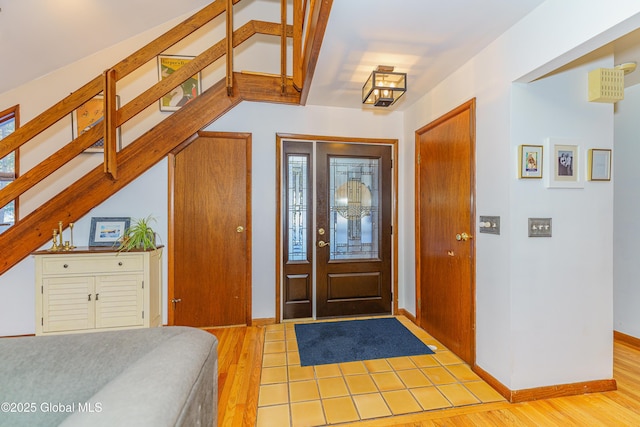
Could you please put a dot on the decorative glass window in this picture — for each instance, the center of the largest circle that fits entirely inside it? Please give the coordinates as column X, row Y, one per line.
column 354, row 192
column 8, row 170
column 297, row 200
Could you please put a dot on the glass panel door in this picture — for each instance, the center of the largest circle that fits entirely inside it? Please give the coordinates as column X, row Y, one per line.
column 354, row 193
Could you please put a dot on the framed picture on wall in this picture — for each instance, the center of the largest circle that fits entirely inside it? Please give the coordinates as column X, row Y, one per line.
column 599, row 165
column 87, row 116
column 564, row 163
column 186, row 91
column 530, row 161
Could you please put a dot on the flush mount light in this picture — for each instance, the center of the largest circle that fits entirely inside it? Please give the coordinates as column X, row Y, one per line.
column 384, row 87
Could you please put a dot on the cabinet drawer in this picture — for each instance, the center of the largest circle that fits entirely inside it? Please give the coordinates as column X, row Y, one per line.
column 91, row 264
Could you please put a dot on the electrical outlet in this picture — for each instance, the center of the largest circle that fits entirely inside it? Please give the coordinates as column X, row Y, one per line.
column 539, row 227
column 490, row 224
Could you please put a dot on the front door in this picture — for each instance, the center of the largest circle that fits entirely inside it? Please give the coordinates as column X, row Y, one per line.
column 445, row 217
column 210, row 263
column 339, row 240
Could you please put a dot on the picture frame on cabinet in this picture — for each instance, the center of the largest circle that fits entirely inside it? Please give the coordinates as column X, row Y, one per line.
column 107, row 231
column 87, row 116
column 599, row 164
column 530, row 161
column 183, row 93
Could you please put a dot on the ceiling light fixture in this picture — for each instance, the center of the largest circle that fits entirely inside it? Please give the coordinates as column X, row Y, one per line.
column 384, row 87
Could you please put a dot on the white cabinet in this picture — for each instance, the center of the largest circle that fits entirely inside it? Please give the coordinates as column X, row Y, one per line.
column 97, row 289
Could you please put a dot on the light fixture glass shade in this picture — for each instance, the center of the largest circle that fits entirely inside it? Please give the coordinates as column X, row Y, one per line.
column 384, row 87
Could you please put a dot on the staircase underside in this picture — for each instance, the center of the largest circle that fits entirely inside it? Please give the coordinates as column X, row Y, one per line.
column 95, row 187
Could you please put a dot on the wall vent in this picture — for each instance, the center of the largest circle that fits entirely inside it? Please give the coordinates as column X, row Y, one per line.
column 606, row 85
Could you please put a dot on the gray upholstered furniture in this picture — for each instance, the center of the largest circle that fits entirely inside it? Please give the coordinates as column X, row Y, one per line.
column 156, row 377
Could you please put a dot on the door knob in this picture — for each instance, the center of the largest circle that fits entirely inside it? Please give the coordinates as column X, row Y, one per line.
column 463, row 237
column 239, row 229
column 322, row 244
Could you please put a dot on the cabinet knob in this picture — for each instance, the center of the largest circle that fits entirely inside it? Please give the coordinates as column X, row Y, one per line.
column 66, row 266
column 120, row 263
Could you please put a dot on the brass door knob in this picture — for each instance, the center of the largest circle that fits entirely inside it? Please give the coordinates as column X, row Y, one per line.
column 463, row 236
column 239, row 229
column 322, row 243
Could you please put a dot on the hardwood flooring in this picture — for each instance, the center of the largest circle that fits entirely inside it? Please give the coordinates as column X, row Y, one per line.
column 240, row 361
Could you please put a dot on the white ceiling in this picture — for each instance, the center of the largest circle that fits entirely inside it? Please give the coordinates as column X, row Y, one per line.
column 428, row 39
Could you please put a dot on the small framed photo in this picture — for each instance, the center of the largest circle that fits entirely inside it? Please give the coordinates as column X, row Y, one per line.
column 530, row 161
column 107, row 231
column 599, row 164
column 87, row 116
column 187, row 91
column 564, row 161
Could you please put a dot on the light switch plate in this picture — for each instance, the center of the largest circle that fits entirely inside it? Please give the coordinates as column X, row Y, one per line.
column 490, row 224
column 540, row 227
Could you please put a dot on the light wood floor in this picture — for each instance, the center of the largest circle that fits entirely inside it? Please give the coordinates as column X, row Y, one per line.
column 240, row 360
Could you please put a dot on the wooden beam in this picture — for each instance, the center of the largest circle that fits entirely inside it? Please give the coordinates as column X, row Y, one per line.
column 299, row 7
column 229, row 40
column 110, row 123
column 283, row 45
column 316, row 26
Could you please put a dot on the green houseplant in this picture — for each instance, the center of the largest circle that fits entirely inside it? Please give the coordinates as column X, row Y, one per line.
column 139, row 235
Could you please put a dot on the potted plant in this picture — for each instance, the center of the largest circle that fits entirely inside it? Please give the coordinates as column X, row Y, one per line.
column 139, row 235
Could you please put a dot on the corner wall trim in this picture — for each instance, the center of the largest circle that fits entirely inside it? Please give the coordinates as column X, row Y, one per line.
column 546, row 392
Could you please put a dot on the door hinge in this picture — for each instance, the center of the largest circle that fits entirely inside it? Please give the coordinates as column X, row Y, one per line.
column 42, row 289
column 419, row 304
column 391, row 163
column 143, row 284
column 42, row 321
column 143, row 314
column 392, row 230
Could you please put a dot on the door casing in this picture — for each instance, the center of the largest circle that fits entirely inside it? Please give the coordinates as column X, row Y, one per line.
column 281, row 194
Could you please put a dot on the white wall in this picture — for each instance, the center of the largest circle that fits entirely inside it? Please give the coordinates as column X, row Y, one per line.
column 508, row 330
column 561, row 287
column 626, row 251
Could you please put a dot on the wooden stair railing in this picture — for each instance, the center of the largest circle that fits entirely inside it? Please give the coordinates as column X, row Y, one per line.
column 34, row 230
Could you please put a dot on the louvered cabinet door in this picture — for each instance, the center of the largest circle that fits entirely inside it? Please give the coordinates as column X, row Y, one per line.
column 67, row 304
column 119, row 301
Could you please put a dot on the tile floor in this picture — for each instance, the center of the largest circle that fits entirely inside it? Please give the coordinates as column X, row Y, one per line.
column 291, row 395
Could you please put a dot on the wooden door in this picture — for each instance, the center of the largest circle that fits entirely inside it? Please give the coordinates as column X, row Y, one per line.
column 210, row 238
column 353, row 229
column 445, row 221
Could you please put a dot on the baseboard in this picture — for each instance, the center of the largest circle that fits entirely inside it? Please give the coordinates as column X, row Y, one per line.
column 18, row 336
column 627, row 339
column 547, row 392
column 494, row 383
column 263, row 322
column 405, row 313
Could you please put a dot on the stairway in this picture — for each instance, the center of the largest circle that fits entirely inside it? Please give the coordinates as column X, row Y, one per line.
column 34, row 230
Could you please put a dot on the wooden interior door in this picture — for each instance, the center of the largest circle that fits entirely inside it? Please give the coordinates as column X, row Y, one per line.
column 444, row 224
column 353, row 229
column 210, row 238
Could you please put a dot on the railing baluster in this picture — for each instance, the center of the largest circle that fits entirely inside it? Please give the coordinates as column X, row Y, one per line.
column 110, row 123
column 283, row 46
column 229, row 47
